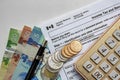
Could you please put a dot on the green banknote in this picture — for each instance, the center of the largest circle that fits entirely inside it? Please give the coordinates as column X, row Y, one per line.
column 13, row 38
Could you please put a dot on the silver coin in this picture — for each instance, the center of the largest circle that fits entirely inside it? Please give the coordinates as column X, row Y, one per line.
column 62, row 58
column 56, row 56
column 59, row 58
column 50, row 69
column 53, row 58
column 54, row 65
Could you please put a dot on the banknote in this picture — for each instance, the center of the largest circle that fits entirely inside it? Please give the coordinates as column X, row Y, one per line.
column 30, row 49
column 22, row 68
column 35, row 37
column 12, row 65
column 46, row 52
column 4, row 66
column 34, row 42
column 13, row 38
column 19, row 49
column 25, row 35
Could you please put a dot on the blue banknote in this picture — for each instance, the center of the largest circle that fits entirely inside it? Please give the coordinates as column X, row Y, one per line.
column 22, row 68
column 36, row 37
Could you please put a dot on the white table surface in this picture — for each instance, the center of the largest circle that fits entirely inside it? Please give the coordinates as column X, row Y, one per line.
column 17, row 13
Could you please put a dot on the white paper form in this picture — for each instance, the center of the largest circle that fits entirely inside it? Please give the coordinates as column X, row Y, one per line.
column 85, row 24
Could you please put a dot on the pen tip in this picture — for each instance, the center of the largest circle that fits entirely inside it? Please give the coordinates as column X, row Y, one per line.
column 44, row 42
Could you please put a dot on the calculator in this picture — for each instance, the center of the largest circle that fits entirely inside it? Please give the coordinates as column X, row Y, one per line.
column 102, row 60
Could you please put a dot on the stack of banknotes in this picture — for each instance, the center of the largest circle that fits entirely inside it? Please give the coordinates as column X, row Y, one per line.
column 20, row 51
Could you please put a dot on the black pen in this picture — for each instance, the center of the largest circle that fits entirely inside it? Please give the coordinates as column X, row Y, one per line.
column 36, row 61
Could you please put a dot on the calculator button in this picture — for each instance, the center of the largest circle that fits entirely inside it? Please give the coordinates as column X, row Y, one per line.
column 117, row 50
column 97, row 75
column 118, row 67
column 96, row 58
column 111, row 42
column 114, row 75
column 105, row 67
column 88, row 66
column 116, row 34
column 103, row 50
column 113, row 59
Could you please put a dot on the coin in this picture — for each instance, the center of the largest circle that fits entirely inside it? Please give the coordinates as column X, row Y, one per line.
column 70, row 51
column 75, row 46
column 49, row 74
column 50, row 69
column 59, row 58
column 63, row 53
column 62, row 58
column 54, row 65
column 55, row 56
column 67, row 52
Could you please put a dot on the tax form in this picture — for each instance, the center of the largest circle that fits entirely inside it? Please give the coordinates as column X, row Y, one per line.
column 85, row 24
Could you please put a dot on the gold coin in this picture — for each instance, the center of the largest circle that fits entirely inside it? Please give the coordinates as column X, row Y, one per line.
column 63, row 53
column 70, row 51
column 75, row 46
column 67, row 52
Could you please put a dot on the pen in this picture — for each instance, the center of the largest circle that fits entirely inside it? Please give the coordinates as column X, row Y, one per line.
column 36, row 61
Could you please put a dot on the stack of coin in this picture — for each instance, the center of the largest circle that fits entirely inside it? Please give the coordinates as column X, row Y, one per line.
column 71, row 49
column 68, row 51
column 56, row 60
column 52, row 66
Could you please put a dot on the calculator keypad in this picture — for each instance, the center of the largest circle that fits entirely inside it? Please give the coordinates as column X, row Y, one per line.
column 96, row 58
column 102, row 61
column 113, row 59
column 103, row 50
column 117, row 50
column 97, row 75
column 111, row 42
column 114, row 75
column 105, row 67
column 88, row 66
column 116, row 34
